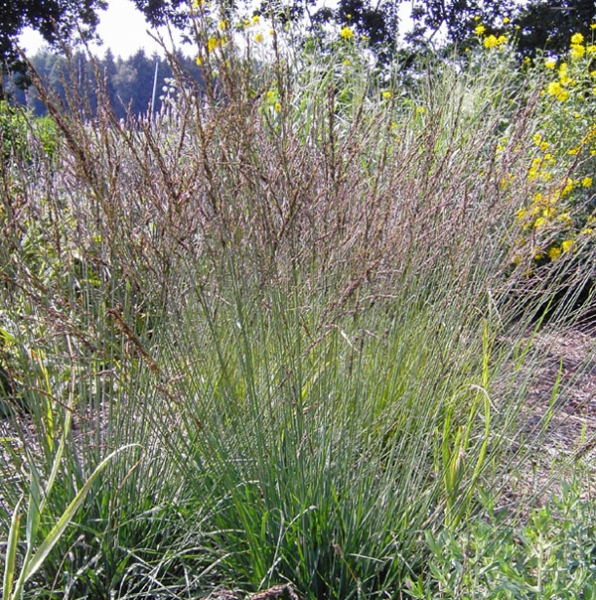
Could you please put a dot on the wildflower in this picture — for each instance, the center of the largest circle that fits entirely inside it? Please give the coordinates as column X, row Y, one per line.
column 554, row 253
column 540, row 222
column 586, row 231
column 480, row 29
column 573, row 151
column 386, row 95
column 569, row 185
column 550, row 63
column 543, row 146
column 593, row 26
column 490, row 42
column 506, row 20
column 566, row 245
column 212, row 44
column 586, row 182
column 270, row 95
column 198, row 61
column 277, row 107
column 420, row 110
column 255, row 19
column 346, row 63
column 258, row 38
column 346, row 33
column 577, row 51
column 554, row 88
column 577, row 38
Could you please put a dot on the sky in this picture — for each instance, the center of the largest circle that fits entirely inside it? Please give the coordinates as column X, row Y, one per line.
column 122, row 28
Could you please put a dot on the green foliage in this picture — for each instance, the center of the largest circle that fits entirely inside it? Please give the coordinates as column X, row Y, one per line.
column 550, row 555
column 295, row 295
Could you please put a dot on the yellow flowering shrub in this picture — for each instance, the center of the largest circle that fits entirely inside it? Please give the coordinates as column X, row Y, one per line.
column 558, row 209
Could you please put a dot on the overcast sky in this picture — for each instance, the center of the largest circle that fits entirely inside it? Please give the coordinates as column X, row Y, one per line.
column 122, row 28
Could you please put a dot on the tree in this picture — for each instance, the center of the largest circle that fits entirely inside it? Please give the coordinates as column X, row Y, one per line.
column 549, row 25
column 54, row 19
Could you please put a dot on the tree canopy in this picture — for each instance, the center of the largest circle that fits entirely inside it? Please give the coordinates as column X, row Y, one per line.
column 541, row 24
column 54, row 19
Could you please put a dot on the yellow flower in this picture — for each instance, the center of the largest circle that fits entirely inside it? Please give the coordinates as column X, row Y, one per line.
column 506, row 20
column 566, row 245
column 346, row 63
column 550, row 63
column 586, row 181
column 277, row 107
column 255, row 19
column 258, row 38
column 577, row 38
column 554, row 253
column 573, row 151
column 386, row 95
column 593, row 26
column 577, row 51
column 420, row 110
column 591, row 48
column 490, row 42
column 198, row 61
column 540, row 222
column 223, row 25
column 569, row 185
column 480, row 29
column 554, row 88
column 212, row 44
column 346, row 33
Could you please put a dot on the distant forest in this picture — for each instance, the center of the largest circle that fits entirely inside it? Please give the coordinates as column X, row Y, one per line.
column 128, row 82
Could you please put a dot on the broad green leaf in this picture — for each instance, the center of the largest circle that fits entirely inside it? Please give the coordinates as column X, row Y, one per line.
column 11, row 551
column 52, row 538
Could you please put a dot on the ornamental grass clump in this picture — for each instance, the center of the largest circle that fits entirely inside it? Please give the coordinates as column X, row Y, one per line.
column 293, row 289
